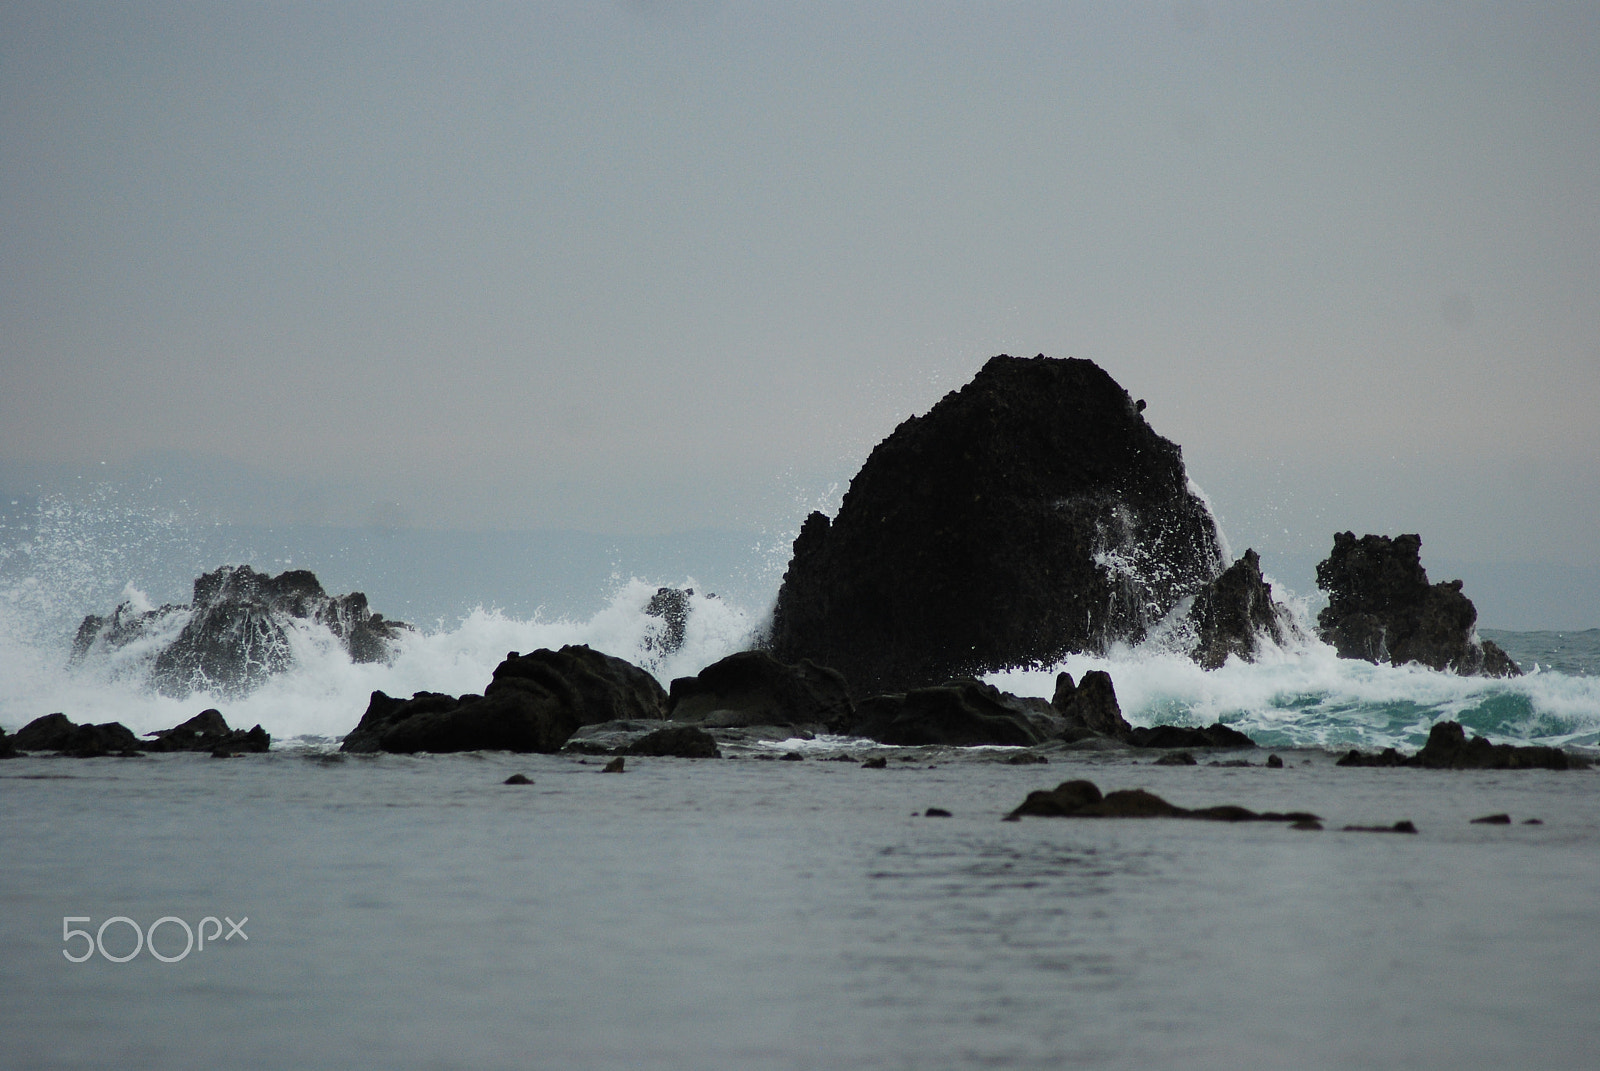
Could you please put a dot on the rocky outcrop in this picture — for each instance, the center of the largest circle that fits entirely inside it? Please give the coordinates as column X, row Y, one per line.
column 1083, row 799
column 754, row 688
column 958, row 713
column 1030, row 514
column 535, row 702
column 208, row 731
column 1090, row 707
column 1381, row 608
column 57, row 732
column 235, row 634
column 1235, row 614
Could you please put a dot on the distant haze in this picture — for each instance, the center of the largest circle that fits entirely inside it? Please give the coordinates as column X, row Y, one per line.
column 651, row 268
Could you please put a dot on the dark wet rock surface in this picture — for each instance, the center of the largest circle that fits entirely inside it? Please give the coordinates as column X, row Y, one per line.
column 535, row 702
column 208, row 731
column 754, row 688
column 57, row 732
column 961, row 713
column 1030, row 514
column 1382, row 608
column 1178, row 736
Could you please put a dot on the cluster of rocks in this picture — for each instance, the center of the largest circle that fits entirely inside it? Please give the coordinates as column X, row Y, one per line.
column 235, row 632
column 1449, row 749
column 578, row 699
column 206, row 732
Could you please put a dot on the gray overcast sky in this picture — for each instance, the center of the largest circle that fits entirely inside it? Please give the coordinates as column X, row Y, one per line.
column 657, row 266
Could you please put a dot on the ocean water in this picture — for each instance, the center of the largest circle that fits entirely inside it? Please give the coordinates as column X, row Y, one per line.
column 414, row 912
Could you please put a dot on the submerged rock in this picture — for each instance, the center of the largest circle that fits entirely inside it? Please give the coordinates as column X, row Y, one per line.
column 235, row 634
column 1082, row 799
column 680, row 741
column 535, row 702
column 754, row 688
column 1030, row 514
column 1381, row 608
column 1235, row 613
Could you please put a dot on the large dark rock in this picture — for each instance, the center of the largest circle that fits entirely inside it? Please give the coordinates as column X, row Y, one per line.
column 208, row 731
column 1235, row 613
column 754, row 688
column 958, row 713
column 1030, row 514
column 534, row 703
column 1381, row 608
column 235, row 634
column 57, row 732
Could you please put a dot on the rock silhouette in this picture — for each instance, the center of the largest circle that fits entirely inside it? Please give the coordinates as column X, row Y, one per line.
column 1381, row 608
column 1030, row 514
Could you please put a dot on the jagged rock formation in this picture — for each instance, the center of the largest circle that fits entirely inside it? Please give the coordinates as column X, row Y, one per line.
column 208, row 731
column 671, row 605
column 1090, row 706
column 1381, row 608
column 235, row 634
column 1234, row 613
column 535, row 702
column 1030, row 514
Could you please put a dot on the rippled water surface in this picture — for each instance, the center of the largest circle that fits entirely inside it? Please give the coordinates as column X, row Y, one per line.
column 413, row 912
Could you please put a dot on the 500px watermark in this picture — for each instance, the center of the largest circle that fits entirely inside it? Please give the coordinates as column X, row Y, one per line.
column 146, row 938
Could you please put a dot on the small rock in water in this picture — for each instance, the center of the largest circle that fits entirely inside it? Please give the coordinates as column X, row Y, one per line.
column 614, row 766
column 518, row 779
column 1398, row 827
column 1026, row 758
column 792, row 756
column 1307, row 823
column 878, row 763
column 1176, row 758
column 1274, row 763
column 846, row 757
column 936, row 812
column 1534, row 822
column 1492, row 820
